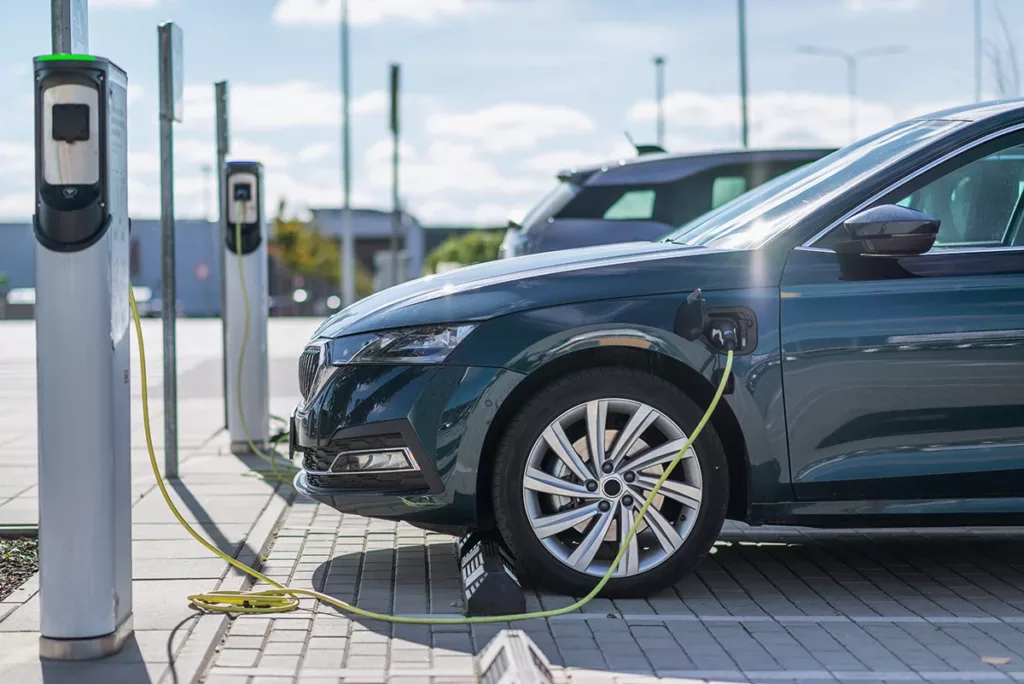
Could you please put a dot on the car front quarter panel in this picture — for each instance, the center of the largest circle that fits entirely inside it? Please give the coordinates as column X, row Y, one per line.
column 449, row 409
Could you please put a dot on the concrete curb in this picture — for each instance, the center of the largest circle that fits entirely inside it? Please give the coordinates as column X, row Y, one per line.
column 197, row 652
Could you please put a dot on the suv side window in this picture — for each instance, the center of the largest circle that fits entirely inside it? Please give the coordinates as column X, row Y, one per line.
column 978, row 203
column 727, row 188
column 633, row 205
column 614, row 202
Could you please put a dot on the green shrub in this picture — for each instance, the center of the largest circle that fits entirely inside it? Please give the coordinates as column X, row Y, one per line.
column 472, row 247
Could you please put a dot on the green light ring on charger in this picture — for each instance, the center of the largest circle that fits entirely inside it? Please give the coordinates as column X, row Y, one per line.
column 66, row 57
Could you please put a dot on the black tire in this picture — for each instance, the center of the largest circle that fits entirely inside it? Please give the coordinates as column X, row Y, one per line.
column 536, row 564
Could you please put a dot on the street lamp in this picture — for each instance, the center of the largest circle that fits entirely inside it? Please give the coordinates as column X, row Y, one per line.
column 851, row 70
column 348, row 262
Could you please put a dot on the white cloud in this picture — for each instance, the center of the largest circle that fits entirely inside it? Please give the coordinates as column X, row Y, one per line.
column 370, row 12
column 553, row 162
column 316, row 152
column 125, row 4
column 268, row 155
column 135, row 93
column 276, row 106
column 448, row 168
column 16, row 205
column 556, row 160
column 511, row 126
column 143, row 163
column 701, row 121
column 16, row 157
column 882, row 5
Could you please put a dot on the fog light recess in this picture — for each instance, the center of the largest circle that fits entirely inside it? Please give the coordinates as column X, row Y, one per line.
column 379, row 461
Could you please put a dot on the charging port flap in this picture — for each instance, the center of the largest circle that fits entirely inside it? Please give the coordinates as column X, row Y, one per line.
column 744, row 320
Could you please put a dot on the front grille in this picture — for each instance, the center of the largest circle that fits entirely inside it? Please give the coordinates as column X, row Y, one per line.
column 308, row 364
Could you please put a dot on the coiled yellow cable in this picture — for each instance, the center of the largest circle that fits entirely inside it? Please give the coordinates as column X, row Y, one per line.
column 282, row 599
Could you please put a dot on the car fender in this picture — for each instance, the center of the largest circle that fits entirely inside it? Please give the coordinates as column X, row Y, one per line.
column 533, row 343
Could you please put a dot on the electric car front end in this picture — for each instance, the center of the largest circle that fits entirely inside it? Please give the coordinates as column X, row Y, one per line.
column 878, row 295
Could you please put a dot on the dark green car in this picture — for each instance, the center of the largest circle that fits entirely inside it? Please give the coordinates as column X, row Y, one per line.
column 878, row 295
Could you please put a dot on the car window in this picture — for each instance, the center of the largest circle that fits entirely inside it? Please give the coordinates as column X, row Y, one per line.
column 633, row 205
column 550, row 205
column 620, row 202
column 975, row 203
column 758, row 216
column 727, row 188
column 978, row 203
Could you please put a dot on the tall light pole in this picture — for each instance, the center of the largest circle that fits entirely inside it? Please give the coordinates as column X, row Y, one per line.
column 744, row 123
column 977, row 50
column 659, row 97
column 851, row 70
column 396, row 213
column 348, row 270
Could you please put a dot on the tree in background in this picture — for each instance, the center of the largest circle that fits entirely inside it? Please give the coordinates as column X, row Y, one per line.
column 304, row 251
column 472, row 247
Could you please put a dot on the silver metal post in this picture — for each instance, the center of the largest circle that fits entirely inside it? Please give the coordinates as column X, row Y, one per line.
column 220, row 96
column 977, row 50
column 744, row 123
column 396, row 212
column 169, row 37
column 851, row 90
column 348, row 261
column 659, row 98
column 69, row 23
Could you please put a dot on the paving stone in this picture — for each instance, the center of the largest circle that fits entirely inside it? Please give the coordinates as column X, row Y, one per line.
column 822, row 602
column 238, row 641
column 292, row 648
column 237, row 658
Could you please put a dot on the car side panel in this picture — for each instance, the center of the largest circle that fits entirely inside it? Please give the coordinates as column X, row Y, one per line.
column 527, row 341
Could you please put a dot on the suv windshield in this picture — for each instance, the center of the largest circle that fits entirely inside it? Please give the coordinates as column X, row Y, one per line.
column 552, row 203
column 756, row 217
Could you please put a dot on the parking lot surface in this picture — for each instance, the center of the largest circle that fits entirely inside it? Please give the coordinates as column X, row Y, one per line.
column 770, row 604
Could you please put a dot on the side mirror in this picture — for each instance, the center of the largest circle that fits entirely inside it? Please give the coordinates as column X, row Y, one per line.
column 889, row 230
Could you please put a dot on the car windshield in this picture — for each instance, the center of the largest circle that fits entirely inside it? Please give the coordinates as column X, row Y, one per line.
column 552, row 203
column 754, row 218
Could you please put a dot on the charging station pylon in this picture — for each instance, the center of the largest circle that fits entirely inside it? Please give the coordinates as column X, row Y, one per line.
column 246, row 290
column 82, row 356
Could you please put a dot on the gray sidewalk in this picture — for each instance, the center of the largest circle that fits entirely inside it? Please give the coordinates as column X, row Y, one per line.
column 216, row 492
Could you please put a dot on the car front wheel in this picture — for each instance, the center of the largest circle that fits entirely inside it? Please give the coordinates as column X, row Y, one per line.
column 575, row 466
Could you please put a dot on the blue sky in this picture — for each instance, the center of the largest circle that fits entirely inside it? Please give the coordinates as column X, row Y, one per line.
column 497, row 94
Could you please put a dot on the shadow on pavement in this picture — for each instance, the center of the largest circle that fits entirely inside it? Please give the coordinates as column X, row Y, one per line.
column 213, row 533
column 906, row 563
column 126, row 666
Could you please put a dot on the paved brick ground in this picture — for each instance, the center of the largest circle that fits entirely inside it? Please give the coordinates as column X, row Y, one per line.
column 770, row 605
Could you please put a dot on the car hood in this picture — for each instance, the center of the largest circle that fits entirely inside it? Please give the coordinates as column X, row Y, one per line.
column 506, row 286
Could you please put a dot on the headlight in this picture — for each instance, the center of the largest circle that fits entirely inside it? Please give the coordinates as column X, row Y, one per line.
column 429, row 344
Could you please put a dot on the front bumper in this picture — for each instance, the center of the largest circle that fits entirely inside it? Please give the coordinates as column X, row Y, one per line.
column 439, row 415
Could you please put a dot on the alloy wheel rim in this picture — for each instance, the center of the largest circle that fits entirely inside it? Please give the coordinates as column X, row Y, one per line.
column 588, row 474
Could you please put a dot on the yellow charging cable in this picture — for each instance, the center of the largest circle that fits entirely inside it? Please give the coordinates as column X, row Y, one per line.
column 283, row 599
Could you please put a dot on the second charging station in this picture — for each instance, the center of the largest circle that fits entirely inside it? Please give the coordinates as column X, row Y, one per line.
column 247, row 301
